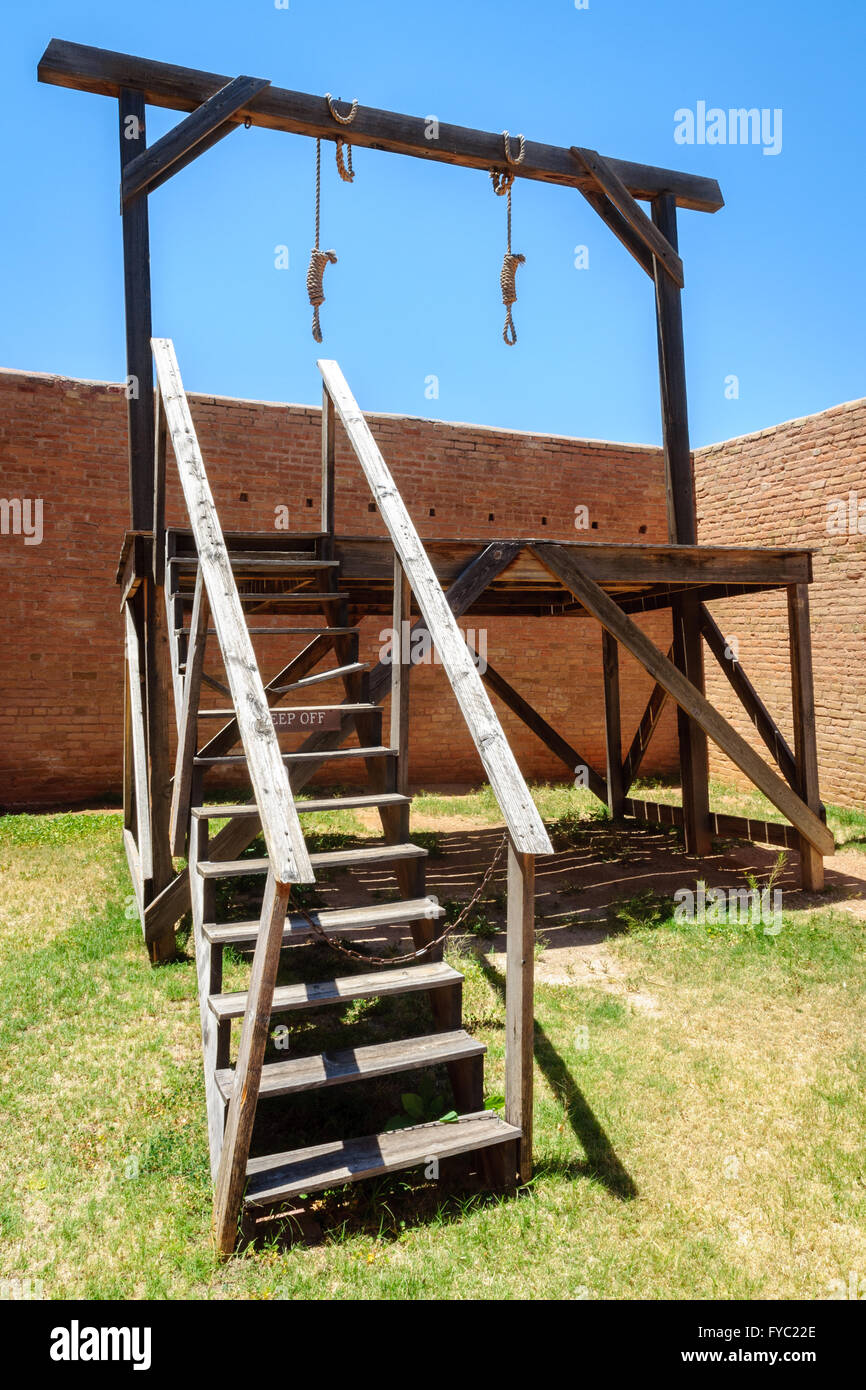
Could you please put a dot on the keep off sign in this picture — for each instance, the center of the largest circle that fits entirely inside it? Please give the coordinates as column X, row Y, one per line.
column 306, row 718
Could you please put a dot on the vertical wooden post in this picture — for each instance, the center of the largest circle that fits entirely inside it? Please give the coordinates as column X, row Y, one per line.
column 682, row 529
column 612, row 728
column 519, row 1001
column 158, row 686
column 328, row 472
column 136, row 288
column 688, row 656
column 400, row 669
column 805, row 743
column 128, row 756
column 231, row 1177
column 145, row 503
column 187, row 738
column 682, row 515
column 159, row 448
column 215, row 1036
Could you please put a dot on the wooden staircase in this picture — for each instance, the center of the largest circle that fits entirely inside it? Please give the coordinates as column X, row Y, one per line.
column 237, row 590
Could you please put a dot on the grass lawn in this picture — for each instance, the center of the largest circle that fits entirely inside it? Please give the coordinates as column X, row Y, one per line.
column 710, row 1148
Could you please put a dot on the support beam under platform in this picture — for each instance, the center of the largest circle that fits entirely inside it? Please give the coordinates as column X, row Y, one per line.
column 689, row 699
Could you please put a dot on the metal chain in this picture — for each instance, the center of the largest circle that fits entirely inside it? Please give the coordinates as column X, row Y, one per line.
column 423, row 950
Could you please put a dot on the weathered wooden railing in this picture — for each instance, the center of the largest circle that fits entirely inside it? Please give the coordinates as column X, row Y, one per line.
column 281, row 827
column 527, row 836
column 289, row 860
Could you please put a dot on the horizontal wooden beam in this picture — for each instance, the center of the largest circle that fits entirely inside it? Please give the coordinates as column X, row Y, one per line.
column 688, row 697
column 210, row 122
column 369, row 557
column 100, row 70
column 759, row 832
column 620, row 199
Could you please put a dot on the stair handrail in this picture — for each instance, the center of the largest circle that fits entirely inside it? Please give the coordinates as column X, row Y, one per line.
column 281, row 828
column 525, row 826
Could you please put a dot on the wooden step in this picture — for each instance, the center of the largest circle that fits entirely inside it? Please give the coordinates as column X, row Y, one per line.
column 284, row 632
column 275, row 1177
column 333, row 673
column 295, row 596
column 358, row 857
column 254, row 559
column 358, row 1063
column 313, row 995
column 341, row 921
column 297, row 709
column 269, row 542
column 315, row 805
column 322, row 755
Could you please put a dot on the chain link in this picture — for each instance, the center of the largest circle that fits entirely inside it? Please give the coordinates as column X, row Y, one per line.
column 342, row 950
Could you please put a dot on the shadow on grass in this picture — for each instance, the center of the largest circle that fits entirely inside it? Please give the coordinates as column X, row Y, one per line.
column 383, row 1208
column 601, row 1160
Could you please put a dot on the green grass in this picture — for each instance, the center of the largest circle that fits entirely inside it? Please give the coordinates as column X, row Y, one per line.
column 709, row 1147
column 552, row 800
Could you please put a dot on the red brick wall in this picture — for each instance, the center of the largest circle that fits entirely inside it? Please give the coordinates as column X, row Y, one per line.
column 64, row 441
column 776, row 488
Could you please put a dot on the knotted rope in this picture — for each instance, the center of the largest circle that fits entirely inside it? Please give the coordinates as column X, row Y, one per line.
column 503, row 180
column 318, row 258
column 344, row 168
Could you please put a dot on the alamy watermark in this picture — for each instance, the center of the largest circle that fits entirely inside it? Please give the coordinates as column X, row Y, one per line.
column 745, row 907
column 735, row 126
column 414, row 646
column 77, row 1343
column 18, row 1289
column 846, row 516
column 22, row 516
column 854, row 1288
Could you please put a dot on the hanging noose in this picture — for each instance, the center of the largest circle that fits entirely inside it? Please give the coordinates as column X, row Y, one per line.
column 318, row 258
column 503, row 180
column 344, row 167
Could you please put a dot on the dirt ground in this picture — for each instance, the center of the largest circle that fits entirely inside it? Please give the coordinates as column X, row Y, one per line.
column 577, row 888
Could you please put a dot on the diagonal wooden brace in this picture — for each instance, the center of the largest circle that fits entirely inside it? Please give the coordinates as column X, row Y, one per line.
column 209, row 123
column 626, row 218
column 644, row 732
column 689, row 699
column 750, row 700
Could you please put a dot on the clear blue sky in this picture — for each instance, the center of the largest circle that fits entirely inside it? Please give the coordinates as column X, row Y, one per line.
column 774, row 282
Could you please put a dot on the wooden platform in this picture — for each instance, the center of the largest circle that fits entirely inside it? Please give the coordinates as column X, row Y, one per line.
column 640, row 577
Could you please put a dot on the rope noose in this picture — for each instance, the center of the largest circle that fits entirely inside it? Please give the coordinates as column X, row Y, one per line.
column 344, row 167
column 503, row 180
column 318, row 258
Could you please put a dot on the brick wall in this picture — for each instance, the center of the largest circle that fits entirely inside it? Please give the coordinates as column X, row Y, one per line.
column 779, row 487
column 64, row 441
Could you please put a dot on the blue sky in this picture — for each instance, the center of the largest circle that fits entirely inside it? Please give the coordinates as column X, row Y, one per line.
column 774, row 282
